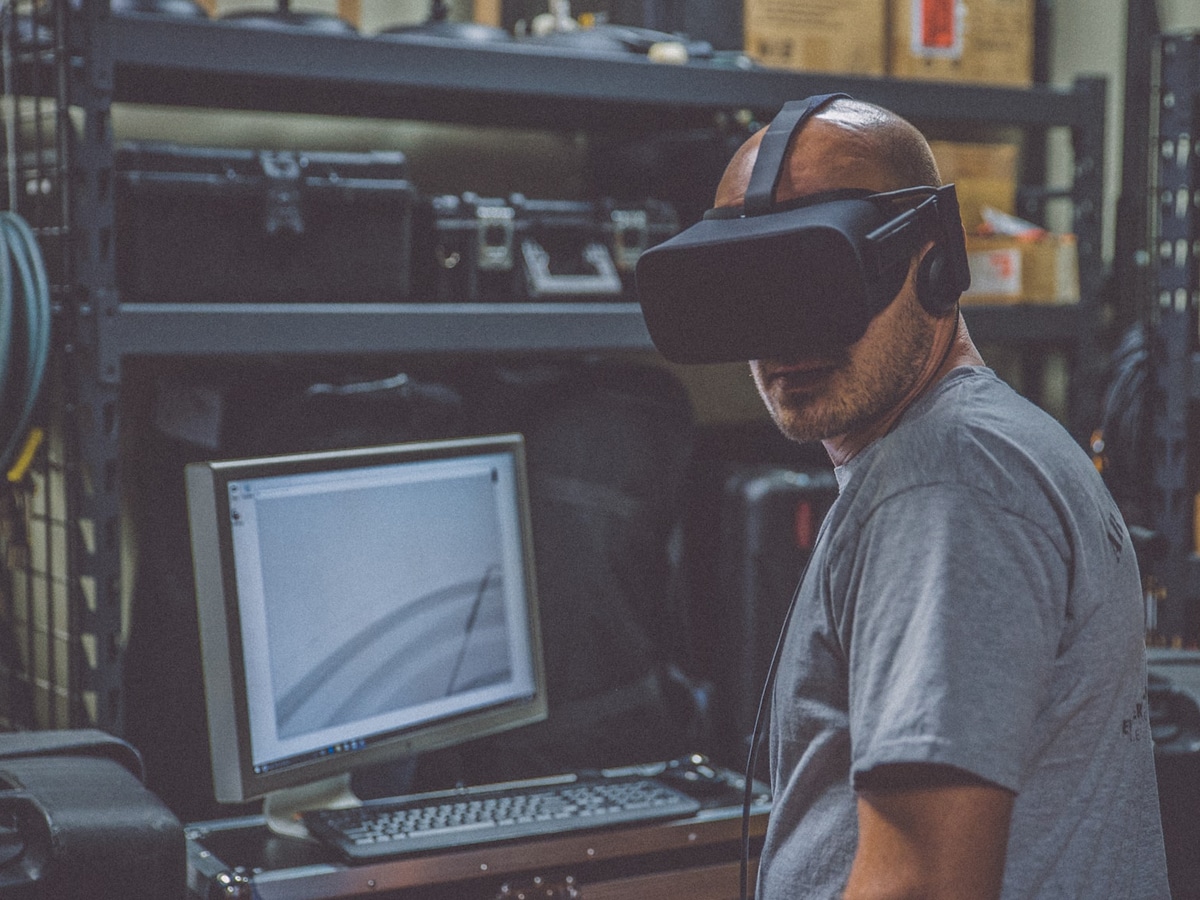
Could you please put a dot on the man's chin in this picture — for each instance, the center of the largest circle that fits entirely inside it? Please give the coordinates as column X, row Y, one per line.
column 803, row 427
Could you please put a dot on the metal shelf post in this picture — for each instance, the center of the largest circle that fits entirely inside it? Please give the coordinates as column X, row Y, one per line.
column 91, row 394
column 1173, row 317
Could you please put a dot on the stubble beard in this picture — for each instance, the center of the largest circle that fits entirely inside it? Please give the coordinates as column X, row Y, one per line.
column 859, row 391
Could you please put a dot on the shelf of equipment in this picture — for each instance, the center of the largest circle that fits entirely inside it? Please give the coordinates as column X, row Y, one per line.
column 219, row 64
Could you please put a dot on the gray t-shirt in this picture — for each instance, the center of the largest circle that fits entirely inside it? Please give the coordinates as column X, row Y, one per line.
column 973, row 601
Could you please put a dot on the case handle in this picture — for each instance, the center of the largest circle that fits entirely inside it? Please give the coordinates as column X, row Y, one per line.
column 542, row 282
column 25, row 826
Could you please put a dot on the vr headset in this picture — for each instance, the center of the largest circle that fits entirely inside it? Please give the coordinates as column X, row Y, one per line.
column 769, row 279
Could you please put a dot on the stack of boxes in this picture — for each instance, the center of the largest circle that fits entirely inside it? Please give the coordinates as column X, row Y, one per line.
column 980, row 41
column 1029, row 267
column 964, row 41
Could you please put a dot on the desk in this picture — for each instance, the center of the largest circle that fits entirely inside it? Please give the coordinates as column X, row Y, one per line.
column 696, row 858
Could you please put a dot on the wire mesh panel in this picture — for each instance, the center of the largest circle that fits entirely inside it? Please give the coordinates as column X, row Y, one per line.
column 41, row 650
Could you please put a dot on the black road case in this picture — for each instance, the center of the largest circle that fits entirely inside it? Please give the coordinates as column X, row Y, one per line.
column 769, row 519
column 77, row 823
column 483, row 249
column 217, row 225
column 1174, row 695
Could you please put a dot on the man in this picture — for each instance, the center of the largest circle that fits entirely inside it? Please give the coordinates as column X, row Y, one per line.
column 959, row 709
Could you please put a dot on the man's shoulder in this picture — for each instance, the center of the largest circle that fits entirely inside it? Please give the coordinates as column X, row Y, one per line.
column 972, row 412
column 973, row 432
column 976, row 397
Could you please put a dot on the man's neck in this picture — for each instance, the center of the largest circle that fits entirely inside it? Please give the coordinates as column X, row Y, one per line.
column 959, row 350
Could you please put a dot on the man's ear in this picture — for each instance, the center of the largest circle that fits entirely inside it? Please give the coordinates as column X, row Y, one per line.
column 935, row 282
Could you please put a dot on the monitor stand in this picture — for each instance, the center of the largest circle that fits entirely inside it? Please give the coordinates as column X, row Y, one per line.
column 282, row 808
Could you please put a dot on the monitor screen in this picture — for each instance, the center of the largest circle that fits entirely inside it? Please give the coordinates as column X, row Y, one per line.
column 362, row 605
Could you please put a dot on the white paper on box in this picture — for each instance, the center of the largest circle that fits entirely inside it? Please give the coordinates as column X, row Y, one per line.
column 995, row 272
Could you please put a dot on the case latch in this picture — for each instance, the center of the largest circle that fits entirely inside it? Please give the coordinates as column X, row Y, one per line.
column 630, row 237
column 282, row 213
column 494, row 238
column 539, row 888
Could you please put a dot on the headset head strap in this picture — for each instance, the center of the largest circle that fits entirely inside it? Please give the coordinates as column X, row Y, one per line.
column 768, row 165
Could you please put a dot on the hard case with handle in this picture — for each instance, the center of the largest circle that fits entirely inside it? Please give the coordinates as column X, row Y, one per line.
column 78, row 824
column 769, row 517
column 218, row 225
column 493, row 249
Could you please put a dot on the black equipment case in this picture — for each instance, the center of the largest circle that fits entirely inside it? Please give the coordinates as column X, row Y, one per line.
column 694, row 858
column 769, row 520
column 1173, row 691
column 503, row 249
column 76, row 822
column 216, row 225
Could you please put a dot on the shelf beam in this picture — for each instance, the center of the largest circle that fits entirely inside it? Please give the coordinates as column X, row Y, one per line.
column 224, row 64
column 212, row 329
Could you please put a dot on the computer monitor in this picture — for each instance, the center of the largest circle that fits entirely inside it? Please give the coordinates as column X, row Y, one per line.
column 360, row 606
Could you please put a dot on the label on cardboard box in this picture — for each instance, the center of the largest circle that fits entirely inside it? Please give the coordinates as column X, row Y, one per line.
column 937, row 28
column 997, row 42
column 1008, row 269
column 995, row 272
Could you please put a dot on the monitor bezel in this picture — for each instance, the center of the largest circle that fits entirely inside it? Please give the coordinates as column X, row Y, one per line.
column 219, row 615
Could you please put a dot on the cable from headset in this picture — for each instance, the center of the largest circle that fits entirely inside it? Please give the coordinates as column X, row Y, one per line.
column 759, row 720
column 1119, row 443
column 25, row 326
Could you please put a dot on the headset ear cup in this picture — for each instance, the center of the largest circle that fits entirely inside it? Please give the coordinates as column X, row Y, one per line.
column 935, row 288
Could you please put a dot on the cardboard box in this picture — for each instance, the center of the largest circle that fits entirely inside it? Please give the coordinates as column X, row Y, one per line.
column 980, row 41
column 348, row 10
column 982, row 174
column 1009, row 270
column 846, row 36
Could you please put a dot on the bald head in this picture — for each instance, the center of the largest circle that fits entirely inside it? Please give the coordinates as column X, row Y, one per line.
column 847, row 144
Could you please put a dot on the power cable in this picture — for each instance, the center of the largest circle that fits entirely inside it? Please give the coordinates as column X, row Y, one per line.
column 25, row 326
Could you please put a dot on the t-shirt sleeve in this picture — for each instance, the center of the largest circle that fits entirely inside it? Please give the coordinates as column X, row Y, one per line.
column 954, row 609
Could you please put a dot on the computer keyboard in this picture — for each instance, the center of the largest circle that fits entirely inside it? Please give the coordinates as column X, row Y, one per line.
column 448, row 819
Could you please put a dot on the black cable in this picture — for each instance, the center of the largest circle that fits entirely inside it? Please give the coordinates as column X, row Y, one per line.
column 759, row 719
column 1120, row 442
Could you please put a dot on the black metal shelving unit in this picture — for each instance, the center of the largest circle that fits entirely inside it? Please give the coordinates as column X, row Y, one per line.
column 145, row 59
column 1175, row 344
column 222, row 65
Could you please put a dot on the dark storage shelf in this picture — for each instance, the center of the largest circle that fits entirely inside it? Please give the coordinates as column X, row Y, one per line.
column 247, row 329
column 153, row 329
column 1031, row 324
column 227, row 65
